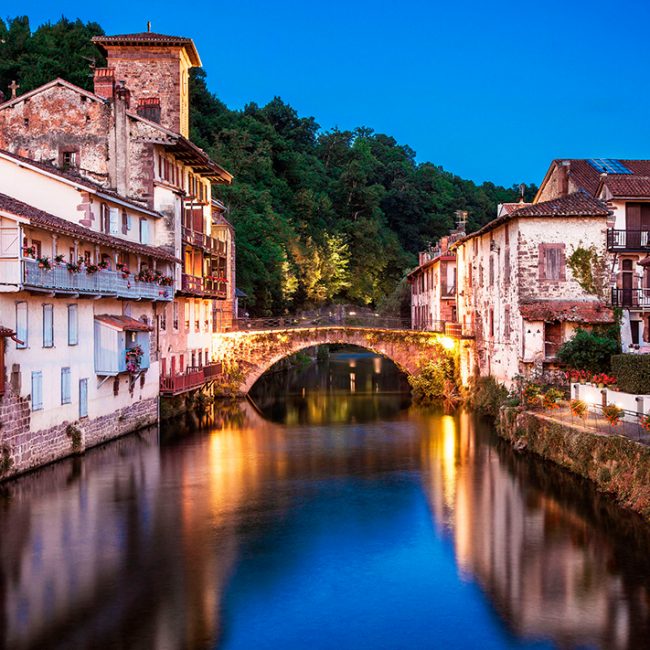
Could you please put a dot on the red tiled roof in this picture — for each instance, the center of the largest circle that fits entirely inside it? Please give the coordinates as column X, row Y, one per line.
column 508, row 208
column 55, row 224
column 74, row 177
column 149, row 38
column 587, row 177
column 578, row 204
column 626, row 185
column 591, row 311
column 123, row 323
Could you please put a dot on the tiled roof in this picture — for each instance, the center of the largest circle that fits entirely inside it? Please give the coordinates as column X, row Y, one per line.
column 591, row 311
column 6, row 332
column 74, row 177
column 55, row 224
column 508, row 208
column 149, row 38
column 123, row 323
column 578, row 204
column 623, row 185
column 587, row 177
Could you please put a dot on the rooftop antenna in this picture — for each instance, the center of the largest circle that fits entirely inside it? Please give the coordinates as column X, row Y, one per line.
column 148, row 25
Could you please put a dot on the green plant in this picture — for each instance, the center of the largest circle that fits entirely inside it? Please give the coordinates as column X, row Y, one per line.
column 74, row 433
column 551, row 398
column 531, row 394
column 632, row 372
column 589, row 268
column 589, row 350
column 6, row 461
column 578, row 408
column 435, row 379
column 613, row 414
column 486, row 395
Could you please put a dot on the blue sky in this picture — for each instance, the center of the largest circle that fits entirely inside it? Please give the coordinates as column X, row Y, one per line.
column 489, row 90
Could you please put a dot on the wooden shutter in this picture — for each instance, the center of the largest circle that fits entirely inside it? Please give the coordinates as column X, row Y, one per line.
column 73, row 325
column 66, row 377
column 83, row 398
column 21, row 324
column 114, row 219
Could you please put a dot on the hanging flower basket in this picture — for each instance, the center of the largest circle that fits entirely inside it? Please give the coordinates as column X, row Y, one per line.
column 613, row 414
column 133, row 359
column 44, row 263
column 59, row 259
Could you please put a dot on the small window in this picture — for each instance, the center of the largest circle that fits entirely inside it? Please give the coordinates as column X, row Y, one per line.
column 66, row 377
column 73, row 325
column 162, row 320
column 21, row 325
column 552, row 265
column 125, row 222
column 48, row 326
column 69, row 159
column 114, row 216
column 37, row 390
column 175, row 315
column 144, row 231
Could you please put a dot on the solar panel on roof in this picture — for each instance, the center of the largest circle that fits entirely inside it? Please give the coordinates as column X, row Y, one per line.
column 609, row 165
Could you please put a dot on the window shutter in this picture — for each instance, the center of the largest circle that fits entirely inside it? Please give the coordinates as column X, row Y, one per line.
column 37, row 390
column 21, row 324
column 48, row 326
column 65, row 386
column 114, row 217
column 73, row 325
column 144, row 231
column 125, row 222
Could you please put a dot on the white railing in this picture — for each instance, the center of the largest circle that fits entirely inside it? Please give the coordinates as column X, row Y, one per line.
column 102, row 283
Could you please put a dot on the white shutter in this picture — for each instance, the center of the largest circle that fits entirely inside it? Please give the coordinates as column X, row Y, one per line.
column 114, row 219
column 144, row 231
column 48, row 326
column 83, row 398
column 21, row 324
column 37, row 390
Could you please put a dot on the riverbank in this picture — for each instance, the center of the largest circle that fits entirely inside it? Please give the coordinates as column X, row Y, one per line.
column 617, row 465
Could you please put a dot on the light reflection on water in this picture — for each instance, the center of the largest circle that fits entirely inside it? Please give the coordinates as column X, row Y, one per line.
column 372, row 525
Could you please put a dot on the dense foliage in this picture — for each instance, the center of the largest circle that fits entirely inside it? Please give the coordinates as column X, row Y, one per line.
column 590, row 350
column 486, row 395
column 320, row 215
column 632, row 372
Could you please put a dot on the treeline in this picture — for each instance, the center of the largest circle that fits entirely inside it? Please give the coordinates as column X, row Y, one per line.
column 320, row 216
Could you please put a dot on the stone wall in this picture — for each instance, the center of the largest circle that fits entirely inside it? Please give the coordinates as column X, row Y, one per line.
column 22, row 450
column 617, row 465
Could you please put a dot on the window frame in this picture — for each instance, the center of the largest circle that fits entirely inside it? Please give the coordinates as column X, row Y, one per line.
column 66, row 372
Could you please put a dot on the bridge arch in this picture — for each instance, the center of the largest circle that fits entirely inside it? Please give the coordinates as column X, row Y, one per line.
column 246, row 356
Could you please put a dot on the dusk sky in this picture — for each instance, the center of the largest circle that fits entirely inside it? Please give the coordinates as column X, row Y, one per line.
column 490, row 91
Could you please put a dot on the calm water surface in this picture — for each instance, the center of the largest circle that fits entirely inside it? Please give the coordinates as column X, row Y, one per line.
column 330, row 514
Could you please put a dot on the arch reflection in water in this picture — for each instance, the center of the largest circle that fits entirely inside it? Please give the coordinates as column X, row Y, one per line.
column 418, row 530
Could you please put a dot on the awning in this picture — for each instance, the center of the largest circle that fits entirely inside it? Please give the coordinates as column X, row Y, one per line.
column 591, row 311
column 124, row 323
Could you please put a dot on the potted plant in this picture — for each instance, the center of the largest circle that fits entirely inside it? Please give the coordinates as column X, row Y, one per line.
column 613, row 414
column 92, row 268
column 551, row 398
column 44, row 263
column 578, row 408
column 531, row 394
column 103, row 265
column 59, row 259
column 29, row 251
column 73, row 268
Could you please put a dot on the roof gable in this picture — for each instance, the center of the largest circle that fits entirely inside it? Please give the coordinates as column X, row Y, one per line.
column 49, row 85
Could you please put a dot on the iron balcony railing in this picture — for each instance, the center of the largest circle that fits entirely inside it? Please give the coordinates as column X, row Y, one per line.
column 101, row 283
column 639, row 298
column 370, row 321
column 628, row 240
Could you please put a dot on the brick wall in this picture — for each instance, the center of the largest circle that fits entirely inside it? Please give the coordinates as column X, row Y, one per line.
column 28, row 450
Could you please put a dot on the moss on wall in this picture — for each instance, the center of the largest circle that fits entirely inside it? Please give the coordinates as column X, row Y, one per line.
column 617, row 465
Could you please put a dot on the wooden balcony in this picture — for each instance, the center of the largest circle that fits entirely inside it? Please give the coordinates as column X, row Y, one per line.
column 206, row 287
column 191, row 379
column 628, row 240
column 103, row 283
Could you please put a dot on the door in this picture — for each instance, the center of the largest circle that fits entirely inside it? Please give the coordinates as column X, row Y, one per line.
column 552, row 339
column 83, row 398
column 632, row 226
column 173, row 369
column 627, row 284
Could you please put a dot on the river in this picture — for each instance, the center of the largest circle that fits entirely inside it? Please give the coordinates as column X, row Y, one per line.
column 328, row 513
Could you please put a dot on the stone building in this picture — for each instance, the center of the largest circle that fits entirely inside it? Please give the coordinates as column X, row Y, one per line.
column 625, row 186
column 131, row 136
column 517, row 295
column 80, row 279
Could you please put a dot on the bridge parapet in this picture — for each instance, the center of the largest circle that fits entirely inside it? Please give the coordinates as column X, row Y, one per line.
column 246, row 355
column 368, row 321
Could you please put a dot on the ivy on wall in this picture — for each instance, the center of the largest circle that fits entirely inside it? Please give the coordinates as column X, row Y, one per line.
column 589, row 268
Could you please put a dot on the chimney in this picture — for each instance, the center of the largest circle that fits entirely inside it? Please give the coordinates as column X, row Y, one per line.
column 120, row 135
column 149, row 108
column 104, row 82
column 563, row 178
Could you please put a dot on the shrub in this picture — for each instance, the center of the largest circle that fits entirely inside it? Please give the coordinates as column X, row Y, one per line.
column 432, row 381
column 531, row 395
column 632, row 372
column 578, row 408
column 486, row 395
column 613, row 414
column 589, row 351
column 552, row 397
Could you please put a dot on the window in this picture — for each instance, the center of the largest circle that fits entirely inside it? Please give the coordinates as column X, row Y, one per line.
column 491, row 323
column 144, row 231
column 506, row 266
column 48, row 326
column 175, row 315
column 552, row 264
column 162, row 319
column 83, row 398
column 73, row 325
column 506, row 322
column 66, row 377
column 125, row 222
column 113, row 218
column 21, row 325
column 104, row 218
column 37, row 390
column 68, row 159
column 187, row 315
column 552, row 338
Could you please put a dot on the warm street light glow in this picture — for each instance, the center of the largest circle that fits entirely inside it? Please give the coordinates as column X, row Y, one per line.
column 447, row 343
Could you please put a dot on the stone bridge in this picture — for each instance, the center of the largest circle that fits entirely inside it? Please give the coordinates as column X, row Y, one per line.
column 247, row 355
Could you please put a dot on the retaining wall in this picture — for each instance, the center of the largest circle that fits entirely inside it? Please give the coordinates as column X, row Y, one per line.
column 617, row 465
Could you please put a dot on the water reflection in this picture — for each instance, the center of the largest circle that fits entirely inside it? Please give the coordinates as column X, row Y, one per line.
column 414, row 530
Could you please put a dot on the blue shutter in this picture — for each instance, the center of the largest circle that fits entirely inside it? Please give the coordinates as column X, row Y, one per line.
column 48, row 326
column 21, row 324
column 66, row 377
column 73, row 325
column 37, row 390
column 83, row 398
